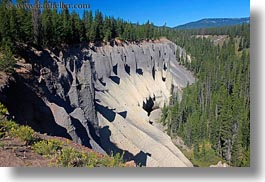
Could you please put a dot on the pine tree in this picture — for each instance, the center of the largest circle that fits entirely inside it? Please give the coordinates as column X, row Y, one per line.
column 88, row 21
column 13, row 24
column 98, row 27
column 57, row 27
column 107, row 29
column 76, row 29
column 66, row 28
column 46, row 24
column 24, row 20
column 237, row 151
column 36, row 21
column 4, row 23
column 7, row 62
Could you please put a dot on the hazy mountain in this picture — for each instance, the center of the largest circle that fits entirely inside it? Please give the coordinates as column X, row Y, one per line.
column 214, row 22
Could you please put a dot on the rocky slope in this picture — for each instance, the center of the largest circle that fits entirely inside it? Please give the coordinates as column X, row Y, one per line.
column 132, row 81
column 101, row 97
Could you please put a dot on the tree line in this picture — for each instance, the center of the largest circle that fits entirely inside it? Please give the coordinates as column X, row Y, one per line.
column 51, row 27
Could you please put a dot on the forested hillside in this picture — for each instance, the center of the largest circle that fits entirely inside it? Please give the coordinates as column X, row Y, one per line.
column 213, row 117
column 51, row 27
column 213, row 22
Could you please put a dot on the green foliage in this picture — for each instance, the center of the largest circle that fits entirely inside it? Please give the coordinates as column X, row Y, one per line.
column 202, row 155
column 47, row 148
column 116, row 160
column 6, row 127
column 49, row 27
column 25, row 133
column 206, row 155
column 3, row 109
column 216, row 108
column 7, row 61
column 46, row 18
column 164, row 115
column 71, row 158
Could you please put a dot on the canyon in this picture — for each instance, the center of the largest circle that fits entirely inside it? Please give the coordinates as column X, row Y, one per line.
column 107, row 98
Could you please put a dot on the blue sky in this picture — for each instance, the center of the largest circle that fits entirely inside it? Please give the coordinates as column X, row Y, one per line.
column 171, row 12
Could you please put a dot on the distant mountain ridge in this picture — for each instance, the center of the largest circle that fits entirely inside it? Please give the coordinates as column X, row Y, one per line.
column 214, row 22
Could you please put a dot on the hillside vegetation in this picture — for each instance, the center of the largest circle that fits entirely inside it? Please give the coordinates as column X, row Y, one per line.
column 213, row 117
column 214, row 23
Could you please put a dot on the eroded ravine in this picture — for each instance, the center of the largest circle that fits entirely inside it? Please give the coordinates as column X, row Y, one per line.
column 102, row 97
column 124, row 100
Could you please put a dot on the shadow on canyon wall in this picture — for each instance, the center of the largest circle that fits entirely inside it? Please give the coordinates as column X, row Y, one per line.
column 111, row 148
column 27, row 108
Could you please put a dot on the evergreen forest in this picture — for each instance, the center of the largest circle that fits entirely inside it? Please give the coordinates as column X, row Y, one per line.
column 213, row 115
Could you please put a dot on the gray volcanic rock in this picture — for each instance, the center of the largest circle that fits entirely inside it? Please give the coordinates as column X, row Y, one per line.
column 102, row 97
column 72, row 84
column 58, row 97
column 132, row 80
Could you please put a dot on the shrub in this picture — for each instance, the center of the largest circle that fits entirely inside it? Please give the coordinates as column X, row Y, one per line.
column 3, row 109
column 113, row 161
column 118, row 160
column 71, row 158
column 6, row 127
column 47, row 148
column 7, row 61
column 25, row 133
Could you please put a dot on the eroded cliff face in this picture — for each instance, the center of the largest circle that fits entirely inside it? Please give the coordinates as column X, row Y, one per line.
column 102, row 97
column 131, row 82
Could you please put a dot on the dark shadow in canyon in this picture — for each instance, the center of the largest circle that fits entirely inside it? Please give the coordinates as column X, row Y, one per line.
column 111, row 148
column 153, row 73
column 107, row 113
column 148, row 105
column 115, row 79
column 97, row 90
column 115, row 69
column 102, row 82
column 139, row 71
column 141, row 158
column 81, row 132
column 123, row 114
column 164, row 67
column 127, row 69
column 27, row 108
